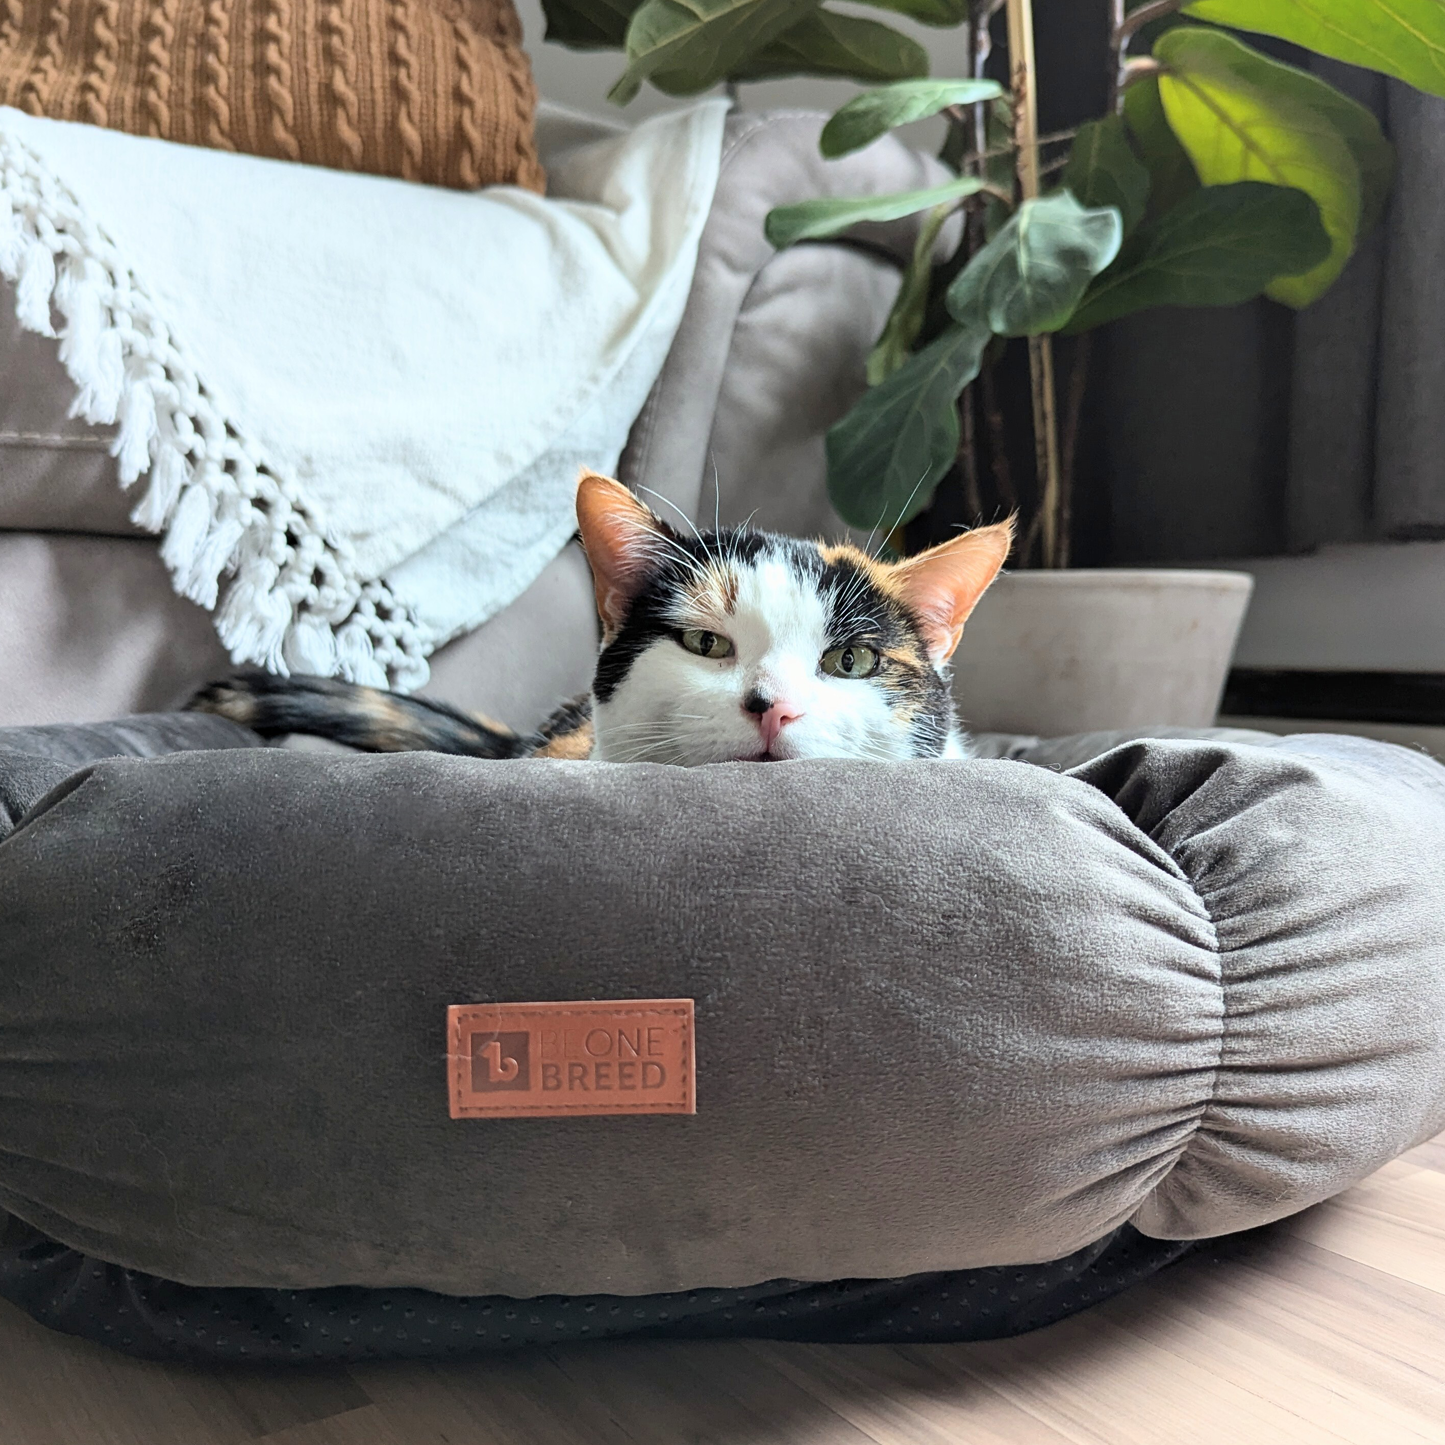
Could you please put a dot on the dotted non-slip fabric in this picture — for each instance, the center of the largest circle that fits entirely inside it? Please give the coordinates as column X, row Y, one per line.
column 153, row 1318
column 438, row 91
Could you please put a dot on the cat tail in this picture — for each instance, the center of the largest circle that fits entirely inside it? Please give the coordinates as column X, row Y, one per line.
column 366, row 718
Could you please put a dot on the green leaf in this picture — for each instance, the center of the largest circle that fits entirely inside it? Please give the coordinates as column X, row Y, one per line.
column 905, row 320
column 886, row 456
column 1218, row 247
column 1172, row 176
column 1244, row 117
column 1031, row 276
column 588, row 24
column 826, row 43
column 876, row 112
column 926, row 12
column 808, row 220
column 697, row 43
column 1356, row 126
column 1353, row 123
column 1404, row 38
column 1104, row 171
column 624, row 92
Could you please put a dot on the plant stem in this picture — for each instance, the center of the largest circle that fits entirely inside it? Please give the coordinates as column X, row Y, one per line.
column 1118, row 53
column 997, row 440
column 1046, row 450
column 980, row 46
column 968, row 160
column 1024, row 73
column 1024, row 549
column 968, row 458
column 1073, row 419
column 1124, row 26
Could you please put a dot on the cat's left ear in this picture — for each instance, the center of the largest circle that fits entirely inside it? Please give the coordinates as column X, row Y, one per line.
column 941, row 586
column 622, row 539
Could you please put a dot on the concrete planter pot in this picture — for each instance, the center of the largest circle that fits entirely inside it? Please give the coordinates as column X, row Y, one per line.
column 1082, row 651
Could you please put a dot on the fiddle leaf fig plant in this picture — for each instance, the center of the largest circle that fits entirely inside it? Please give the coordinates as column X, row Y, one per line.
column 1217, row 174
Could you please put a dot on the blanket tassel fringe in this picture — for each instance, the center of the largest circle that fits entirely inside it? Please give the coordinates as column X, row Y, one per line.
column 237, row 540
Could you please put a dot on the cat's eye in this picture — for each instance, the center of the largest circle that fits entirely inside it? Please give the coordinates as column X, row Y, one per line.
column 706, row 644
column 853, row 661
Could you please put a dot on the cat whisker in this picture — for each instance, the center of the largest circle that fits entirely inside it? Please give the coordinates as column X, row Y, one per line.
column 667, row 502
column 641, row 735
column 902, row 512
column 691, row 562
column 663, row 722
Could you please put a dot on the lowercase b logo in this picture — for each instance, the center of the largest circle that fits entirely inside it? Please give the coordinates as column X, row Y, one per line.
column 501, row 1061
column 590, row 1058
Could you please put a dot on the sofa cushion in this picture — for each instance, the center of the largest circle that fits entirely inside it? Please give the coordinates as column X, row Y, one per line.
column 772, row 346
column 91, row 628
column 949, row 1014
column 436, row 90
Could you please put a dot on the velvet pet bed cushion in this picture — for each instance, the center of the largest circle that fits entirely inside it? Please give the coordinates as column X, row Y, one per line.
column 429, row 90
column 950, row 1015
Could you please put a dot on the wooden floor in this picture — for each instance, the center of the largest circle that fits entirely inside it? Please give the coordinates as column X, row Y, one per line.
column 1329, row 1328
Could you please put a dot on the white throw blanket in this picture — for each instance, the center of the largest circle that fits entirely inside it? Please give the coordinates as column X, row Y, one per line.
column 360, row 404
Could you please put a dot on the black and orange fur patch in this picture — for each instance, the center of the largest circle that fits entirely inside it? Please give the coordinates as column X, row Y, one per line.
column 375, row 721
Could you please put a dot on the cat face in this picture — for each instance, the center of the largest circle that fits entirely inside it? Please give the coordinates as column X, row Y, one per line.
column 743, row 646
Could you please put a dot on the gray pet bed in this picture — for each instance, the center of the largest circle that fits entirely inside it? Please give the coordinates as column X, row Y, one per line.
column 951, row 1017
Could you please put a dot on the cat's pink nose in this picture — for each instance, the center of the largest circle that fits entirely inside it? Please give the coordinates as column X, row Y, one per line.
column 773, row 720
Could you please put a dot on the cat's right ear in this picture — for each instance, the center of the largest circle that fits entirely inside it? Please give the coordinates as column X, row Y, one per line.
column 622, row 539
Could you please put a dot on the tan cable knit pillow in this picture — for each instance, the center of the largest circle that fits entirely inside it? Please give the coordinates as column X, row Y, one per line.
column 430, row 90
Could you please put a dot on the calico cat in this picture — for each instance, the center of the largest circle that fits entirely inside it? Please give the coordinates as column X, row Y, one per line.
column 728, row 646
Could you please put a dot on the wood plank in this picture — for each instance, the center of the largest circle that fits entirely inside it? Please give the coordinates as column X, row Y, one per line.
column 57, row 1390
column 502, row 1400
column 1394, row 1221
column 899, row 1401
column 251, row 1401
column 1429, row 1155
column 1238, row 1341
column 1095, row 1382
column 357, row 1427
column 1350, row 1319
column 645, row 1392
column 717, row 1390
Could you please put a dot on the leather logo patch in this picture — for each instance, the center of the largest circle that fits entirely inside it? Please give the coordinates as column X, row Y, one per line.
column 524, row 1060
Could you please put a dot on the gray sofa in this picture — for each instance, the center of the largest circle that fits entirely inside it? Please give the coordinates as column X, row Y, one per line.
column 769, row 354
